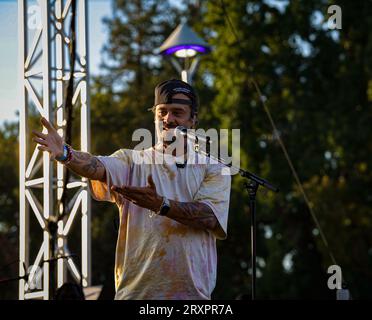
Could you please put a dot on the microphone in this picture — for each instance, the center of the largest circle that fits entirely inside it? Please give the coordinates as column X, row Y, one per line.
column 183, row 131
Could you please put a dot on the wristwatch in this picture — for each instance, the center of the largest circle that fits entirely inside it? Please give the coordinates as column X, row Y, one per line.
column 164, row 208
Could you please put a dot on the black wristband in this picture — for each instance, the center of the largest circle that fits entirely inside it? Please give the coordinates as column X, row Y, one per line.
column 64, row 156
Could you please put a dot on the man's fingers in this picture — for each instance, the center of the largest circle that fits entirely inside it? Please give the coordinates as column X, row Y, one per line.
column 47, row 124
column 134, row 190
column 39, row 134
column 130, row 195
column 40, row 141
column 120, row 190
column 130, row 199
column 131, row 190
column 116, row 189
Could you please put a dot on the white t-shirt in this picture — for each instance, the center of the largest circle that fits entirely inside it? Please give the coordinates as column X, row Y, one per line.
column 156, row 256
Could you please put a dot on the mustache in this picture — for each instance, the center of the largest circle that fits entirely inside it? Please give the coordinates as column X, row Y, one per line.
column 169, row 126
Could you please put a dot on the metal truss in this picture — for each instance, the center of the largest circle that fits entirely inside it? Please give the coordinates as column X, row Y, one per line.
column 44, row 36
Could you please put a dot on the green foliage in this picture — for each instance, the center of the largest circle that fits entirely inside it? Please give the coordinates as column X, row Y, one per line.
column 9, row 208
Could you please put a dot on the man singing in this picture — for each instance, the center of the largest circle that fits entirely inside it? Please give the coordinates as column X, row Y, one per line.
column 171, row 213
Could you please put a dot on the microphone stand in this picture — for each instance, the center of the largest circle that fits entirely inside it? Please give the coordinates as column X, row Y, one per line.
column 254, row 182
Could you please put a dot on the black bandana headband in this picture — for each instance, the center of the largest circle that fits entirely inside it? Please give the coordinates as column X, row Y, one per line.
column 167, row 89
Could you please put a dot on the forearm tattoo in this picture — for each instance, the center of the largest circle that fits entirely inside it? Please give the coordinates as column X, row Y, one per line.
column 193, row 214
column 87, row 165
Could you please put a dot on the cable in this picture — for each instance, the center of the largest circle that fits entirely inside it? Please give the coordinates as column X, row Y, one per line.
column 9, row 264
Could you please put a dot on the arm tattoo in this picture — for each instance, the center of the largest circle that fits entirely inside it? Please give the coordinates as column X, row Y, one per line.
column 87, row 165
column 92, row 166
column 193, row 214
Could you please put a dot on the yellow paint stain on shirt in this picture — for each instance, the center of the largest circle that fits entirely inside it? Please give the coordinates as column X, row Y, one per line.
column 169, row 172
column 161, row 253
column 174, row 228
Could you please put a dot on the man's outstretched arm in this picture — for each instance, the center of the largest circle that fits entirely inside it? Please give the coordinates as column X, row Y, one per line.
column 86, row 165
column 82, row 163
column 194, row 214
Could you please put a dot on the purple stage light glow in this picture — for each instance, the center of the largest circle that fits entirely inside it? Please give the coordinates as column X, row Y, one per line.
column 200, row 49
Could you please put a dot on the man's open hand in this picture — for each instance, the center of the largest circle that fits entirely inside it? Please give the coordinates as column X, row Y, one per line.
column 145, row 197
column 51, row 142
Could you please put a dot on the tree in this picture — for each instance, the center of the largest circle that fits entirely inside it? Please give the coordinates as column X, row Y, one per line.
column 9, row 208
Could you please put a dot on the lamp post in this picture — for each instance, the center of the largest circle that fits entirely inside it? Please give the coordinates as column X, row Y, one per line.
column 184, row 48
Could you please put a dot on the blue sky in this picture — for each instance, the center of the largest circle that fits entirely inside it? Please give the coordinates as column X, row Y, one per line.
column 9, row 50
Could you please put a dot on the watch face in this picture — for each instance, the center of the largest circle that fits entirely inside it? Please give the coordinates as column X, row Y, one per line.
column 164, row 210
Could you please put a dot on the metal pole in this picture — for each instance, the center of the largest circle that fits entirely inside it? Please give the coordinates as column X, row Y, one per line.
column 23, row 209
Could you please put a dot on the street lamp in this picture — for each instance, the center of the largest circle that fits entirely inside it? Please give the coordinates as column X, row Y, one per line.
column 185, row 44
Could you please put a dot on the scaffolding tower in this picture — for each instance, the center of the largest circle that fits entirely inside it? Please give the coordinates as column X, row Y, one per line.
column 45, row 70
